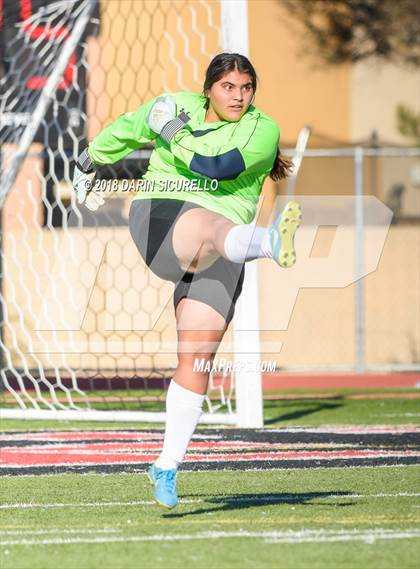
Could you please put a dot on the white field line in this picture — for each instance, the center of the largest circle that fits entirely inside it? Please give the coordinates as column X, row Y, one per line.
column 397, row 414
column 89, row 504
column 141, row 436
column 128, row 449
column 118, row 447
column 367, row 537
column 352, row 429
column 301, row 536
column 59, row 531
column 216, row 500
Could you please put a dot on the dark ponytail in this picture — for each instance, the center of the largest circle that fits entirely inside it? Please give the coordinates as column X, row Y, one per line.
column 282, row 167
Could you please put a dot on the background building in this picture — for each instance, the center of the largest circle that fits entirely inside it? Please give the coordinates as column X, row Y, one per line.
column 145, row 48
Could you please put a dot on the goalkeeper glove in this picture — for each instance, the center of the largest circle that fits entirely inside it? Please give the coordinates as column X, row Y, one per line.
column 162, row 118
column 83, row 183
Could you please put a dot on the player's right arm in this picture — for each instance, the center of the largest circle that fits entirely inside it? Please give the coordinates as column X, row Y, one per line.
column 124, row 135
column 127, row 133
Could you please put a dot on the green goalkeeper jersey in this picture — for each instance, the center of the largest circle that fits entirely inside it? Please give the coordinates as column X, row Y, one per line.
column 220, row 166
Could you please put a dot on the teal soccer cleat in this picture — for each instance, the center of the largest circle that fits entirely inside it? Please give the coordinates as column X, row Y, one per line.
column 282, row 235
column 164, row 482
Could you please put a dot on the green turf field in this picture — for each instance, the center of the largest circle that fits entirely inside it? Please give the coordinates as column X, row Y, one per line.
column 321, row 518
column 363, row 517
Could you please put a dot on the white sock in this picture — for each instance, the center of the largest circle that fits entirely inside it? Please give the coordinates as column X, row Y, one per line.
column 246, row 243
column 183, row 410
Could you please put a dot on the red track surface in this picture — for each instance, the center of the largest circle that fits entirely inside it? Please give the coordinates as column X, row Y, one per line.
column 275, row 381
column 71, row 448
column 43, row 458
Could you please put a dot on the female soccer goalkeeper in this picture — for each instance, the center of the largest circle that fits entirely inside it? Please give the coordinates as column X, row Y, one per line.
column 192, row 224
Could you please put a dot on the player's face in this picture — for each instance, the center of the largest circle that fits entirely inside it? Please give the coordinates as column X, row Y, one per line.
column 230, row 97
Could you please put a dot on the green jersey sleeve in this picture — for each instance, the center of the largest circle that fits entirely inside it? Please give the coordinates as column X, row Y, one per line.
column 127, row 133
column 251, row 148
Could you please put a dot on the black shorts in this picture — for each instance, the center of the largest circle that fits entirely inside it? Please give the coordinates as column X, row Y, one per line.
column 152, row 223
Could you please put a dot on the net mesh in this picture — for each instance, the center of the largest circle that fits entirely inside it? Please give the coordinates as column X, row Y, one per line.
column 84, row 323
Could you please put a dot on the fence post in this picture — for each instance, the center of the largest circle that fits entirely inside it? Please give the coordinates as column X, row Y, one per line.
column 360, row 363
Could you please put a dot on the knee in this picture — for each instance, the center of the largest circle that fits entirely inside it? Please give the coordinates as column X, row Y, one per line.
column 197, row 361
column 219, row 229
column 196, row 347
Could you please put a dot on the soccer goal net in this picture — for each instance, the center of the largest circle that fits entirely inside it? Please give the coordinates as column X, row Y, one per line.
column 86, row 331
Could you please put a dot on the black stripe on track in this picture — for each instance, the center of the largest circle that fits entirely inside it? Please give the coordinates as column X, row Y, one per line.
column 366, row 439
column 213, row 465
